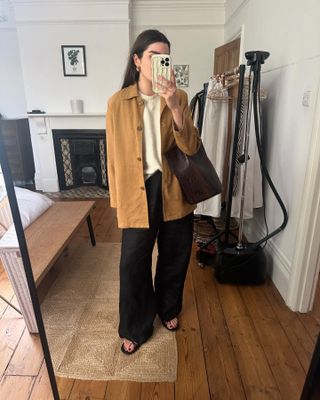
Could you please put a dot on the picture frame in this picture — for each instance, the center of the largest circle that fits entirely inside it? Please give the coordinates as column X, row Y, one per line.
column 74, row 60
column 181, row 73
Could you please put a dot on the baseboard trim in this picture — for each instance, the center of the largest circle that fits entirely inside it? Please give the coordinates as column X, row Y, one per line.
column 279, row 266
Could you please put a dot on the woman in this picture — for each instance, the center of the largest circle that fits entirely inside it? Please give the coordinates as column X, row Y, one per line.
column 141, row 127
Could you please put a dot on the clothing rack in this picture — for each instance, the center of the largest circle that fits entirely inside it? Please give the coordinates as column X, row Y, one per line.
column 236, row 75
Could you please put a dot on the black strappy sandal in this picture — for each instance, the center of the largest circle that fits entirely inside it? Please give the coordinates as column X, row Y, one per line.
column 135, row 348
column 164, row 323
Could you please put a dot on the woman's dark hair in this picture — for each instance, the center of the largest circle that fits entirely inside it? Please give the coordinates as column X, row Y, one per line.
column 139, row 46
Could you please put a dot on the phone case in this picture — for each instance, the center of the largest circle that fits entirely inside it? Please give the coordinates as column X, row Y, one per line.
column 161, row 65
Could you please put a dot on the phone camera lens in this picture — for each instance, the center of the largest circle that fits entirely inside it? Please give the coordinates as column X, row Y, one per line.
column 167, row 64
column 162, row 62
column 167, row 59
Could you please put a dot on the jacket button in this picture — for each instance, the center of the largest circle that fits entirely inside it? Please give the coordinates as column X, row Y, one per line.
column 139, row 158
column 141, row 187
column 139, row 128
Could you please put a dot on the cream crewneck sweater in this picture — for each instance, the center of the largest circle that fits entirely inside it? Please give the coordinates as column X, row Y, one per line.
column 151, row 141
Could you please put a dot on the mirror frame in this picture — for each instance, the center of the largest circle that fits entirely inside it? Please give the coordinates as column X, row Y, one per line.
column 26, row 263
column 311, row 388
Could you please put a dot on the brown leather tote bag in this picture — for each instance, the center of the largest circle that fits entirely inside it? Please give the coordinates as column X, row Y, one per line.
column 196, row 174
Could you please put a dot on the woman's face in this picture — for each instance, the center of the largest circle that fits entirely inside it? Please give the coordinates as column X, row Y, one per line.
column 144, row 63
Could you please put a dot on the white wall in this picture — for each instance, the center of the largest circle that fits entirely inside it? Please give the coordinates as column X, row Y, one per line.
column 103, row 27
column 290, row 31
column 12, row 96
column 194, row 28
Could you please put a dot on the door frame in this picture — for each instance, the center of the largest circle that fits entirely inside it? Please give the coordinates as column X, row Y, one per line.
column 237, row 35
column 306, row 259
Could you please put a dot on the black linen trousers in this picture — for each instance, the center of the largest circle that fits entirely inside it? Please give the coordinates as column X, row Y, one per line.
column 140, row 299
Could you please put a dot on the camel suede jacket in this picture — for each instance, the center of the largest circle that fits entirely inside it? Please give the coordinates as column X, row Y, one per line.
column 124, row 157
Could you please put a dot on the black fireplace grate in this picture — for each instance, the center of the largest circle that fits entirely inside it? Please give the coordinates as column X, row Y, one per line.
column 80, row 158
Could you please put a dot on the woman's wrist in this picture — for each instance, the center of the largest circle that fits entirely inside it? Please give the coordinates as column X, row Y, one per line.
column 177, row 117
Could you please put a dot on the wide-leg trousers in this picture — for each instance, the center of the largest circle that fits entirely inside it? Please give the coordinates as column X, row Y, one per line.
column 140, row 298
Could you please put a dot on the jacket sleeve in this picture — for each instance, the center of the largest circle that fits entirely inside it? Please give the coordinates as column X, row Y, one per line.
column 187, row 138
column 111, row 156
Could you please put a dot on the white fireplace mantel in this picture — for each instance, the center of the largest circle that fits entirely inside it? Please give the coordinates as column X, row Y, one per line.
column 51, row 115
column 41, row 126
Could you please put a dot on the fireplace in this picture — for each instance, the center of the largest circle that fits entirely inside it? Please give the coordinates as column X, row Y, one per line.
column 80, row 157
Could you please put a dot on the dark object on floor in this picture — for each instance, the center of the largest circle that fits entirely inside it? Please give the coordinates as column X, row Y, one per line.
column 124, row 351
column 241, row 267
column 206, row 256
column 311, row 388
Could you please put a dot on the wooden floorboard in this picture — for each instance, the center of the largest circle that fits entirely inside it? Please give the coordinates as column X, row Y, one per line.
column 297, row 333
column 65, row 386
column 256, row 374
column 282, row 359
column 12, row 327
column 42, row 388
column 16, row 387
column 21, row 363
column 217, row 346
column 82, row 390
column 234, row 342
column 191, row 375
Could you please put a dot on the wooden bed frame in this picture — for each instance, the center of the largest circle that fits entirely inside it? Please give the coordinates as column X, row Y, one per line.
column 47, row 237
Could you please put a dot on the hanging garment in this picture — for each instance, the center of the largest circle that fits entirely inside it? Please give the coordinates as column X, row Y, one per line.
column 214, row 138
column 213, row 134
column 195, row 110
column 197, row 106
column 253, row 188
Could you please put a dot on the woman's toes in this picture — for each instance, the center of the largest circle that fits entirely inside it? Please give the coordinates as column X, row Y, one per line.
column 128, row 345
column 173, row 323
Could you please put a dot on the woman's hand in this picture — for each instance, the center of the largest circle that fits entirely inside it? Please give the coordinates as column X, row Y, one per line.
column 168, row 90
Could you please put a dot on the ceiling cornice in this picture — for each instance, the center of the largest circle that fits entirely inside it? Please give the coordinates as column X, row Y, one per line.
column 177, row 5
column 73, row 22
column 66, row 12
column 69, row 2
column 179, row 27
column 237, row 10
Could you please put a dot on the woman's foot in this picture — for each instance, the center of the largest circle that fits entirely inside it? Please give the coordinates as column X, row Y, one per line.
column 171, row 325
column 129, row 347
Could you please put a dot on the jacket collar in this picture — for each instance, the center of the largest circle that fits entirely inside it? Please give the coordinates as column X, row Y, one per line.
column 132, row 91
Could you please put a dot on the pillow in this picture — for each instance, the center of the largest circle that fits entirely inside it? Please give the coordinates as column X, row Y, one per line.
column 31, row 205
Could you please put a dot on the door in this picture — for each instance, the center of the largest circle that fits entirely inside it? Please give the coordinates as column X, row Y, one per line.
column 226, row 58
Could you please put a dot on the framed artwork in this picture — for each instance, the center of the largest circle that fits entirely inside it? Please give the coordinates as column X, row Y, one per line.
column 74, row 60
column 181, row 73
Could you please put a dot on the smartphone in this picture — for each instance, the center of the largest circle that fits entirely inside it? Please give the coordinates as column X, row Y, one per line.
column 160, row 65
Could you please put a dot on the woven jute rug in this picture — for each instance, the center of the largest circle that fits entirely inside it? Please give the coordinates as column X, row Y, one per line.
column 81, row 316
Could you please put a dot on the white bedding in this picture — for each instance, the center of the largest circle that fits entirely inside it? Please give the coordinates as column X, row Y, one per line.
column 31, row 206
